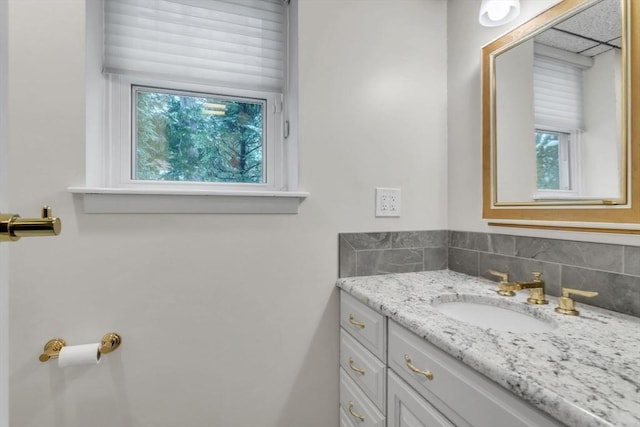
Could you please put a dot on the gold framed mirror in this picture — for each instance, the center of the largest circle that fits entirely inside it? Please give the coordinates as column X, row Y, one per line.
column 560, row 119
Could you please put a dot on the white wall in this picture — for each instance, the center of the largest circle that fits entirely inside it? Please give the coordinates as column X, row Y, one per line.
column 601, row 139
column 464, row 114
column 515, row 125
column 226, row 320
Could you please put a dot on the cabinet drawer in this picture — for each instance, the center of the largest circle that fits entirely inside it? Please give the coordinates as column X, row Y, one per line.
column 460, row 393
column 345, row 419
column 355, row 404
column 364, row 324
column 364, row 369
column 408, row 409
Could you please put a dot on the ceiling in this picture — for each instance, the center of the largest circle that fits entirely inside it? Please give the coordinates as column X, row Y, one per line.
column 590, row 32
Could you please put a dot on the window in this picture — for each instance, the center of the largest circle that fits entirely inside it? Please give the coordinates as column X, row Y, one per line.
column 553, row 161
column 186, row 137
column 199, row 99
column 558, row 111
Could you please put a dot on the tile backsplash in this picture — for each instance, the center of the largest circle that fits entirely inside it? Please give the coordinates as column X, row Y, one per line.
column 367, row 254
column 611, row 270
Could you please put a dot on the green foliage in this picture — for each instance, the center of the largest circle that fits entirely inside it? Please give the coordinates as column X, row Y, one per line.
column 178, row 139
column 547, row 161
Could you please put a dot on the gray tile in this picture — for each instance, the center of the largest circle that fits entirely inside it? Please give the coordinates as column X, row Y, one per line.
column 632, row 260
column 469, row 240
column 346, row 259
column 436, row 258
column 599, row 256
column 360, row 241
column 389, row 261
column 463, row 261
column 617, row 292
column 420, row 239
column 520, row 269
column 503, row 244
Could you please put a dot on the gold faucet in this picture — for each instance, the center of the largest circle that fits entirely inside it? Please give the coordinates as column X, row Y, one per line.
column 535, row 286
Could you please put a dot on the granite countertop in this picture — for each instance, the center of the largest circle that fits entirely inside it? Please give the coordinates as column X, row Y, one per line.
column 585, row 372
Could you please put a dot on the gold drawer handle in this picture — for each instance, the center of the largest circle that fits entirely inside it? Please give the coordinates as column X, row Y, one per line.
column 427, row 374
column 355, row 414
column 355, row 322
column 353, row 368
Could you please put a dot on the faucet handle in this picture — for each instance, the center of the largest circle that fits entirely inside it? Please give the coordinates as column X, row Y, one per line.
column 537, row 275
column 504, row 283
column 504, row 277
column 566, row 304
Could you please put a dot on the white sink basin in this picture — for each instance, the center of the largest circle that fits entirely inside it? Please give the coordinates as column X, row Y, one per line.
column 492, row 317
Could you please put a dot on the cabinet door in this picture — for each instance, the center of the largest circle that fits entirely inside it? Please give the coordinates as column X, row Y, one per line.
column 406, row 408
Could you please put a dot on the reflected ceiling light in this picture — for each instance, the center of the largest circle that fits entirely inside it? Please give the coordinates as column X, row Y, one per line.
column 498, row 12
column 214, row 109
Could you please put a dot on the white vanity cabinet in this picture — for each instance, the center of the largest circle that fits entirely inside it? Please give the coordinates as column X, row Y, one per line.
column 387, row 370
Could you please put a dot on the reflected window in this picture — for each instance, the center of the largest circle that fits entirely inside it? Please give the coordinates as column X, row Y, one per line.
column 559, row 119
column 553, row 165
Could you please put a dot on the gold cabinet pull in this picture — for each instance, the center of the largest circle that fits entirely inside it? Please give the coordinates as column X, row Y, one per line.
column 427, row 374
column 353, row 368
column 355, row 322
column 355, row 414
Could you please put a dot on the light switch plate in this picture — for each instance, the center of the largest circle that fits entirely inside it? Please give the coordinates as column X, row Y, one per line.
column 388, row 202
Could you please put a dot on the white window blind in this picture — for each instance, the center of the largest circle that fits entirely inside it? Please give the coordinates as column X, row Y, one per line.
column 234, row 43
column 557, row 89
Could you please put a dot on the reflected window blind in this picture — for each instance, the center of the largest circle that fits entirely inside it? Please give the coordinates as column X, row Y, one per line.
column 235, row 43
column 557, row 89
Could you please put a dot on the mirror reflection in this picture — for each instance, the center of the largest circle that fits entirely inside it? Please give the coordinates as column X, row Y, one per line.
column 559, row 115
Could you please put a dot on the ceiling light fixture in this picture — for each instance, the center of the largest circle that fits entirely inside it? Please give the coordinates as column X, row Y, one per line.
column 498, row 12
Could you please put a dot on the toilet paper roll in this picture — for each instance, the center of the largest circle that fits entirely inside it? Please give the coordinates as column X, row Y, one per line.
column 79, row 355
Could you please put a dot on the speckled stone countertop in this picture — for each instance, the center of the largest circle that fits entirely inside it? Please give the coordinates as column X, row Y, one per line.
column 585, row 372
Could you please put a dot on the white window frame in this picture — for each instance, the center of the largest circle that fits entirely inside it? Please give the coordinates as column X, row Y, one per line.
column 570, row 170
column 109, row 188
column 122, row 138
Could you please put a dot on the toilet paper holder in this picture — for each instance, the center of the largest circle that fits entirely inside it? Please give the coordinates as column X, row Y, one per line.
column 109, row 343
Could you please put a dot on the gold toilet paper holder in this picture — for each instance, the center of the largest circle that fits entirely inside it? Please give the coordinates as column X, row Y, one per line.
column 109, row 343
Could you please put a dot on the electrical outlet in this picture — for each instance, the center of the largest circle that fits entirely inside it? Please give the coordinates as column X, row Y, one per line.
column 387, row 202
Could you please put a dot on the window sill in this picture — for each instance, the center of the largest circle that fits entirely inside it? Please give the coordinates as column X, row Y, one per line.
column 98, row 200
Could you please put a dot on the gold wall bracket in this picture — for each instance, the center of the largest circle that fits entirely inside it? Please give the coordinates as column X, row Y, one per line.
column 52, row 349
column 13, row 227
column 109, row 343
